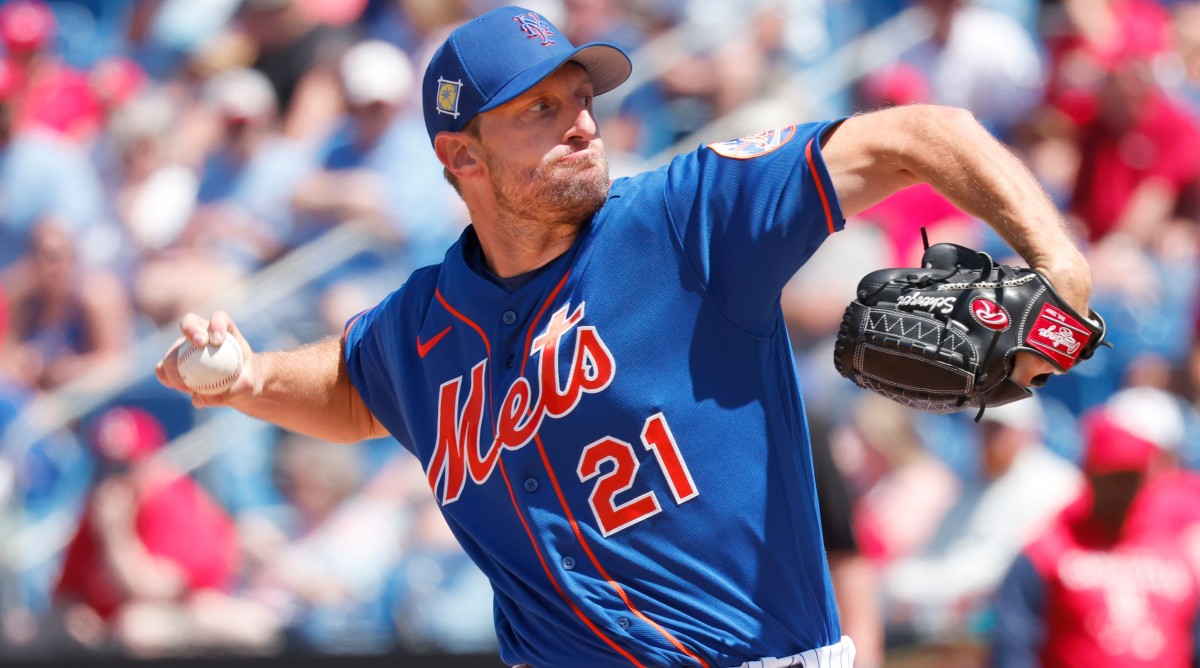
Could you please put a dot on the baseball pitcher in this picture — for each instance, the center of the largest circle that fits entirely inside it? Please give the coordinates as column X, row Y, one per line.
column 597, row 378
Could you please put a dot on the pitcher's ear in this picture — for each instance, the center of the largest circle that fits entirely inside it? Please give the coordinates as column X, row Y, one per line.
column 458, row 153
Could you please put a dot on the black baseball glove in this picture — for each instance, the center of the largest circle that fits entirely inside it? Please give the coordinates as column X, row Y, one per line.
column 944, row 337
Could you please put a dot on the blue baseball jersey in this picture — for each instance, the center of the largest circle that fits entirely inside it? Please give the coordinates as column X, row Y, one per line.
column 620, row 444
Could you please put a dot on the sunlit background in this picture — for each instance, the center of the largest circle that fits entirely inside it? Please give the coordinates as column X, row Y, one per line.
column 269, row 157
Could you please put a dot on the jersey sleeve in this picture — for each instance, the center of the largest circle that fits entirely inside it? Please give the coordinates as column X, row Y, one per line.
column 371, row 352
column 749, row 212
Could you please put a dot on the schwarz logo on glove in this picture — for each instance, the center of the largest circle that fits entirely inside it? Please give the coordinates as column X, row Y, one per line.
column 944, row 336
column 927, row 302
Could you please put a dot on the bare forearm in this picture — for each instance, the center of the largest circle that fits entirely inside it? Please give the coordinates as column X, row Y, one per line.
column 965, row 163
column 874, row 155
column 306, row 390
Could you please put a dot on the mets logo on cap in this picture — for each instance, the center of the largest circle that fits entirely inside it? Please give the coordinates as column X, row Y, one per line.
column 535, row 27
column 447, row 96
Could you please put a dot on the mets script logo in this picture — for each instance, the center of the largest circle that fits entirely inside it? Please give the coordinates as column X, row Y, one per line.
column 458, row 452
column 989, row 314
column 535, row 26
column 752, row 146
column 1061, row 337
column 447, row 97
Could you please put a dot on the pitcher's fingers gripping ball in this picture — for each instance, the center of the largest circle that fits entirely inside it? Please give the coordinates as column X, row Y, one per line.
column 211, row 369
column 945, row 336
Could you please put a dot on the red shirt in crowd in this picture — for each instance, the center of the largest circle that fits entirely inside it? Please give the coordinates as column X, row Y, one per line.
column 1129, row 601
column 176, row 520
column 1164, row 143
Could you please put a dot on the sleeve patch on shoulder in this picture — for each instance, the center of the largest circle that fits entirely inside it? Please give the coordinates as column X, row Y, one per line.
column 755, row 145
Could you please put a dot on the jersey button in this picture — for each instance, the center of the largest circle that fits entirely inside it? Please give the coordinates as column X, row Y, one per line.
column 510, row 317
column 531, row 484
column 510, row 360
column 568, row 563
column 623, row 622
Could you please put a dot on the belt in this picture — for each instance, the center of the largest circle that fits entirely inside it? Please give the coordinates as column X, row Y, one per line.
column 837, row 655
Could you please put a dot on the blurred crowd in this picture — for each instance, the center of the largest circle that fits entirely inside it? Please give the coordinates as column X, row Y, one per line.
column 157, row 154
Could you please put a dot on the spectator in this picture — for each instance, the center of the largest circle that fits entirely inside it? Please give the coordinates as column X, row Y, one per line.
column 1170, row 499
column 153, row 553
column 437, row 597
column 67, row 320
column 855, row 578
column 678, row 102
column 415, row 26
column 1138, row 152
column 299, row 57
column 377, row 168
column 322, row 566
column 1023, row 485
column 41, row 174
column 904, row 490
column 153, row 197
column 52, row 95
column 242, row 216
column 1089, row 37
column 980, row 60
column 241, row 219
column 1095, row 589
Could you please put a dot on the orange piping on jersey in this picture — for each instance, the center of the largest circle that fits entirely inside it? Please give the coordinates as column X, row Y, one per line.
column 596, row 562
column 579, row 613
column 437, row 293
column 486, row 344
column 812, row 168
column 353, row 321
column 532, row 325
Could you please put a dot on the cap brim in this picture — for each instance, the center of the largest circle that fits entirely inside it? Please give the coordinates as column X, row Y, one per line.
column 606, row 64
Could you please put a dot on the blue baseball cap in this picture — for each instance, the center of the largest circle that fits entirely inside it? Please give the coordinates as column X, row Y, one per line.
column 498, row 56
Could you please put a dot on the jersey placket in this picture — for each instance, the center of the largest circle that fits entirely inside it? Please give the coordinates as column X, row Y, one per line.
column 573, row 554
column 526, row 471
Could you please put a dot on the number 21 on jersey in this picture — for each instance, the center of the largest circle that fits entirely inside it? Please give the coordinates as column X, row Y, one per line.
column 612, row 516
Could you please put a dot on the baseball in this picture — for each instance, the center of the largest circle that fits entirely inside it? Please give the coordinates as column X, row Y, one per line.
column 212, row 369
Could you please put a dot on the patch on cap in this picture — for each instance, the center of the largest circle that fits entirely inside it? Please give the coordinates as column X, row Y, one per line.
column 447, row 97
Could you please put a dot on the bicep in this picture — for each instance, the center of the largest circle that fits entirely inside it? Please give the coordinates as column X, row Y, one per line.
column 873, row 155
column 856, row 155
column 364, row 421
column 367, row 424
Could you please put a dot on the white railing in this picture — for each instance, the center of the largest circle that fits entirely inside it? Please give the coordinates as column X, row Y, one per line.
column 25, row 545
